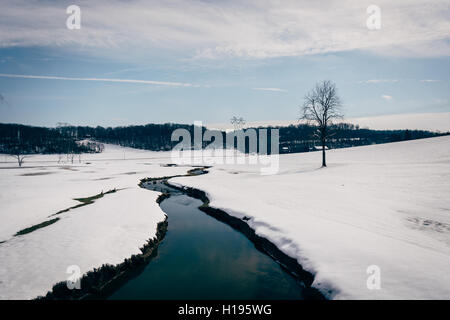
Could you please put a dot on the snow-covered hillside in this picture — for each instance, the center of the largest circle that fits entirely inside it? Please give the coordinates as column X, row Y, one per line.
column 385, row 205
column 111, row 229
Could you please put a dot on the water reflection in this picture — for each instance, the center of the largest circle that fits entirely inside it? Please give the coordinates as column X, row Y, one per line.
column 202, row 258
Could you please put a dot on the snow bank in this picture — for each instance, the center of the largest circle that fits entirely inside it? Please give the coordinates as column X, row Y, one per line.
column 105, row 232
column 111, row 229
column 385, row 205
column 43, row 187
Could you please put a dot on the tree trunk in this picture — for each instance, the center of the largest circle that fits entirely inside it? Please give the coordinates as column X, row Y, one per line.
column 324, row 163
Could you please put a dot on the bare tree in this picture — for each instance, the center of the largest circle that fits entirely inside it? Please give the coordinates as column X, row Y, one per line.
column 19, row 157
column 322, row 105
column 238, row 123
column 70, row 156
column 18, row 150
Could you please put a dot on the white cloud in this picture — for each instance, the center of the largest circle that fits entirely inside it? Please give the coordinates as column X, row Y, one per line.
column 152, row 82
column 429, row 80
column 250, row 29
column 270, row 89
column 386, row 97
column 420, row 121
column 380, row 81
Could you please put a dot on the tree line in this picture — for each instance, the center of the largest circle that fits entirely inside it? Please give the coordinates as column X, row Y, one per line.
column 23, row 139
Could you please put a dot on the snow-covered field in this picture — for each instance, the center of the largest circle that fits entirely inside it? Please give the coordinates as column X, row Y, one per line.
column 111, row 229
column 385, row 205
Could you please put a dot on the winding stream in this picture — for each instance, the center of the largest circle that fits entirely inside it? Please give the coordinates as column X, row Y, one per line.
column 203, row 258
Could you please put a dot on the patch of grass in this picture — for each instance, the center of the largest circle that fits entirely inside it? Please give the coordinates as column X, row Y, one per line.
column 197, row 171
column 31, row 174
column 36, row 226
column 89, row 200
column 170, row 165
column 86, row 201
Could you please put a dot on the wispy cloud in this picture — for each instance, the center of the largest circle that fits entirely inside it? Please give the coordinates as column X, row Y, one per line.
column 209, row 29
column 270, row 89
column 429, row 80
column 386, row 97
column 152, row 82
column 380, row 81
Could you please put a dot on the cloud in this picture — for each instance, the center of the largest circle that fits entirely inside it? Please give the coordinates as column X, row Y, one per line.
column 380, row 81
column 386, row 97
column 270, row 89
column 393, row 81
column 421, row 121
column 152, row 82
column 250, row 29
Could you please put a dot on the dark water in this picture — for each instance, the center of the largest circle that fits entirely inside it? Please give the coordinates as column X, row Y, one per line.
column 202, row 258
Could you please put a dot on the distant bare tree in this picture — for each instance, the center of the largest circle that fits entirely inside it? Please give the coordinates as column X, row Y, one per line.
column 19, row 157
column 322, row 105
column 238, row 123
column 71, row 131
column 70, row 156
column 19, row 150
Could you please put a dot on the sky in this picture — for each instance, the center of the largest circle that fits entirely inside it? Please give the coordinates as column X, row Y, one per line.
column 137, row 62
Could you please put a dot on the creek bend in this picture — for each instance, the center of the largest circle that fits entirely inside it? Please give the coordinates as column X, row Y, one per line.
column 204, row 258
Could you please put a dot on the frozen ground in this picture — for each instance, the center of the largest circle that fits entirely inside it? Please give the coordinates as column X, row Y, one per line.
column 111, row 229
column 385, row 205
